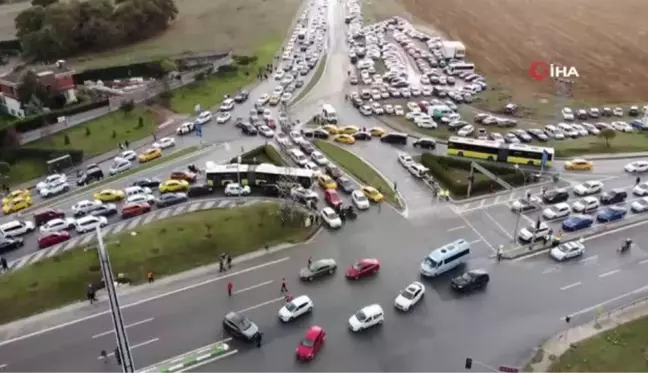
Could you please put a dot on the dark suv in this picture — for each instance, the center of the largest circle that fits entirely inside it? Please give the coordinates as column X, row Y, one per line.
column 614, row 196
column 92, row 173
column 555, row 196
column 42, row 217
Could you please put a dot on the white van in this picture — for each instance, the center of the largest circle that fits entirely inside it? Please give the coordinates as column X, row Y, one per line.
column 89, row 223
column 298, row 157
column 16, row 228
column 136, row 190
column 329, row 114
column 417, row 170
column 227, row 105
column 554, row 133
column 445, row 258
column 367, row 317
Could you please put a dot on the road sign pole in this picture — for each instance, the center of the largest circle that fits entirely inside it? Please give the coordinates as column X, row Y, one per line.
column 517, row 224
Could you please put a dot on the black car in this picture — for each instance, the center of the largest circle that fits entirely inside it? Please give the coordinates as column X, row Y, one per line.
column 104, row 209
column 90, row 175
column 274, row 190
column 362, row 136
column 346, row 185
column 555, row 196
column 425, row 143
column 7, row 244
column 249, row 130
column 394, row 138
column 471, row 280
column 334, row 171
column 614, row 196
column 241, row 97
column 200, row 190
column 316, row 134
column 147, row 183
column 307, row 147
column 169, row 199
column 239, row 326
column 241, row 122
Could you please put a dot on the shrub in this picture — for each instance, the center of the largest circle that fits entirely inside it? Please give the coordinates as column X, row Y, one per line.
column 66, row 140
column 127, row 106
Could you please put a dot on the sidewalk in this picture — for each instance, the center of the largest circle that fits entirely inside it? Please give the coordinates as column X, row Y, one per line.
column 549, row 351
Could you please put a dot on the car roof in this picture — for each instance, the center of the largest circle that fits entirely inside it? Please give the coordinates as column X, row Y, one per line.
column 325, row 261
column 301, row 299
column 234, row 317
column 328, row 210
column 368, row 261
column 313, row 331
column 13, row 223
column 479, row 271
column 372, row 308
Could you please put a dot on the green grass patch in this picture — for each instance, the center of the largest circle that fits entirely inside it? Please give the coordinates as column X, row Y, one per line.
column 102, row 134
column 211, row 91
column 622, row 143
column 169, row 246
column 317, row 75
column 359, row 169
column 622, row 349
column 261, row 154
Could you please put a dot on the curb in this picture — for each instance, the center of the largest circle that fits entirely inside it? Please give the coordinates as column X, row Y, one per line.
column 190, row 359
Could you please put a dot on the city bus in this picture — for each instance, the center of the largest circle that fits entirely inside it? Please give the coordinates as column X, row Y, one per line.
column 498, row 151
column 220, row 175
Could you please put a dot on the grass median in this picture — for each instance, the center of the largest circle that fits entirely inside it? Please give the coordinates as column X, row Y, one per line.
column 359, row 170
column 621, row 143
column 319, row 71
column 166, row 247
column 622, row 349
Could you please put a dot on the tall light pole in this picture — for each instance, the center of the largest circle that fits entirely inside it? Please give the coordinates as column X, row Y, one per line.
column 123, row 346
column 238, row 176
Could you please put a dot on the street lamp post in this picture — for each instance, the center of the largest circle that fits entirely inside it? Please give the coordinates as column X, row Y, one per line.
column 517, row 224
column 238, row 176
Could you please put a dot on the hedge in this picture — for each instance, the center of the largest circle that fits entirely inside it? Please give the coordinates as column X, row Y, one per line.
column 36, row 122
column 439, row 167
column 261, row 152
column 10, row 45
column 41, row 154
column 144, row 70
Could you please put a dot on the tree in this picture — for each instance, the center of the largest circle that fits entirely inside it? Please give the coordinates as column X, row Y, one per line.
column 29, row 86
column 43, row 3
column 29, row 20
column 608, row 134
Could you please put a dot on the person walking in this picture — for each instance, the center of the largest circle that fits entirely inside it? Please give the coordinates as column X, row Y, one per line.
column 104, row 356
column 258, row 339
column 229, row 261
column 4, row 265
column 637, row 181
column 92, row 294
column 310, row 262
column 229, row 288
column 126, row 144
column 151, row 277
column 284, row 288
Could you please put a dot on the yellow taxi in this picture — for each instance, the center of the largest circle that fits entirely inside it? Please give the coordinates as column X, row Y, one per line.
column 331, row 129
column 350, row 130
column 326, row 182
column 579, row 164
column 16, row 204
column 377, row 131
column 16, row 194
column 149, row 155
column 372, row 193
column 109, row 195
column 345, row 139
column 173, row 186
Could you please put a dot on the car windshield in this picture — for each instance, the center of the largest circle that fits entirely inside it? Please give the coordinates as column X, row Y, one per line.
column 329, row 214
column 243, row 323
column 361, row 316
column 531, row 228
column 291, row 306
column 407, row 294
column 431, row 263
column 563, row 248
column 358, row 267
column 467, row 276
column 307, row 342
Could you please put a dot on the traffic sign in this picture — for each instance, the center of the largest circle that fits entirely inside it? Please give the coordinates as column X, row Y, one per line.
column 508, row 369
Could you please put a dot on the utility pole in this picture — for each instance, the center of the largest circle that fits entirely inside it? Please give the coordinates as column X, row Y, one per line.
column 471, row 177
column 238, row 176
column 517, row 225
column 123, row 346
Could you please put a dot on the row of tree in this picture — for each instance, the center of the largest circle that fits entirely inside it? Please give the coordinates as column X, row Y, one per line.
column 53, row 29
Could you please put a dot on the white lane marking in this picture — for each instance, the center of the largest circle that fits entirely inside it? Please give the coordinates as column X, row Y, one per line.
column 456, row 228
column 164, row 214
column 589, row 258
column 133, row 223
column 119, row 227
column 208, row 361
column 571, row 286
column 38, row 256
column 497, row 224
column 476, row 232
column 611, row 300
column 223, row 203
column 194, row 207
column 178, row 210
column 209, row 205
column 262, row 304
column 475, row 242
column 146, row 300
column 87, row 238
column 551, row 270
column 22, row 261
column 107, row 332
column 71, row 243
column 150, row 216
column 53, row 251
column 252, row 287
column 134, row 346
column 643, row 261
column 527, row 218
column 481, row 204
column 606, row 274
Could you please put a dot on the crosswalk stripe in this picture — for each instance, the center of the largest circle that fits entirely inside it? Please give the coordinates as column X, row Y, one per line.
column 54, row 250
column 71, row 243
column 133, row 223
column 21, row 262
column 224, row 203
column 164, row 214
column 194, row 207
column 178, row 210
column 87, row 238
column 39, row 255
column 209, row 205
column 149, row 217
column 119, row 227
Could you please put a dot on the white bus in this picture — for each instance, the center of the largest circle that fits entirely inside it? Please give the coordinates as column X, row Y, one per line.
column 329, row 114
column 445, row 258
column 457, row 67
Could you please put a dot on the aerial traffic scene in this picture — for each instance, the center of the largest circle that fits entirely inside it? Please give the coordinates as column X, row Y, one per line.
column 323, row 185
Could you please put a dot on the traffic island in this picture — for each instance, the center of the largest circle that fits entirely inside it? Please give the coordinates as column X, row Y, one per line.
column 359, row 170
column 165, row 247
column 261, row 154
column 191, row 359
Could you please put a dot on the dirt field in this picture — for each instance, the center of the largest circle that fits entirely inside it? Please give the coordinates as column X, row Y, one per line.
column 201, row 26
column 601, row 38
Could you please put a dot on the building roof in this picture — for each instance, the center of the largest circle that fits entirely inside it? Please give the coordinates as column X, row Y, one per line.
column 13, row 77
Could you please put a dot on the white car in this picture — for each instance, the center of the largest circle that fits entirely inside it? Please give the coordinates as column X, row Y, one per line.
column 398, row 110
column 641, row 189
column 164, row 143
column 534, row 232
column 282, row 139
column 331, row 218
column 640, row 205
column 129, row 155
column 185, row 128
column 557, row 211
column 279, row 74
column 263, row 99
column 588, row 187
column 89, row 223
column 567, row 114
column 638, row 166
column 425, row 122
column 587, row 204
column 204, row 117
column 313, row 167
column 594, row 112
column 296, row 137
column 319, row 158
column 567, row 250
column 223, row 118
column 286, row 97
column 621, row 126
column 266, row 131
column 413, row 107
column 367, row 317
column 57, row 225
column 16, row 228
column 56, row 187
column 50, row 179
column 360, row 200
column 366, row 110
column 409, row 297
column 405, row 159
column 466, row 130
column 119, row 165
column 297, row 307
column 140, row 198
column 591, row 129
column 227, row 105
column 523, row 204
column 617, row 112
column 236, row 189
column 81, row 208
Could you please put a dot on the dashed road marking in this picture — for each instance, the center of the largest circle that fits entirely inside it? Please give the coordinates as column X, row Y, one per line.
column 571, row 286
column 133, row 223
column 38, row 256
column 87, row 238
column 179, row 210
column 606, row 274
column 209, row 205
column 119, row 227
column 643, row 261
column 223, row 203
column 22, row 261
column 149, row 217
column 456, row 228
column 54, row 250
column 194, row 207
column 71, row 243
column 164, row 214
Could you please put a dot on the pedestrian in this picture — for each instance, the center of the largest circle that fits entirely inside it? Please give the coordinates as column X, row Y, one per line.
column 104, row 356
column 92, row 294
column 284, row 288
column 528, row 196
column 154, row 137
column 126, row 144
column 229, row 288
column 637, row 181
column 310, row 262
column 492, row 188
column 221, row 265
column 4, row 264
column 229, row 261
column 500, row 249
column 150, row 277
column 258, row 339
column 544, row 191
column 118, row 356
column 395, row 187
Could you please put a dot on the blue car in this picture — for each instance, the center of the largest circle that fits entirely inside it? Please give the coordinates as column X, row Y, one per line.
column 578, row 222
column 611, row 213
column 639, row 124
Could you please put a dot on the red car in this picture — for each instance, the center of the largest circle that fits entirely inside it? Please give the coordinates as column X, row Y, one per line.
column 363, row 268
column 271, row 123
column 52, row 238
column 332, row 198
column 135, row 209
column 42, row 217
column 311, row 344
